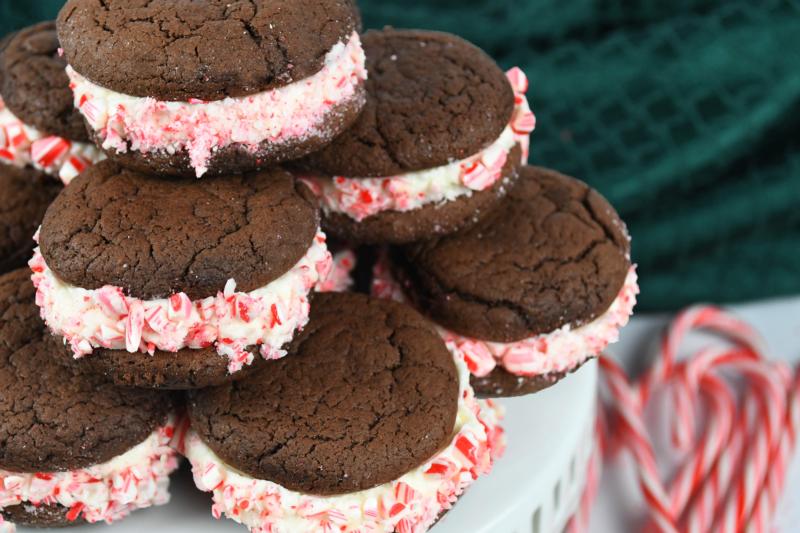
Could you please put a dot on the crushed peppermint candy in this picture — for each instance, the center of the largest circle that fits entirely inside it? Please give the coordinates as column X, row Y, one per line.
column 294, row 112
column 22, row 145
column 340, row 278
column 491, row 416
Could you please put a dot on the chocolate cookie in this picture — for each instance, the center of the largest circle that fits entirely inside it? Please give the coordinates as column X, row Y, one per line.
column 185, row 370
column 179, row 50
column 368, row 392
column 154, row 237
column 23, row 202
column 427, row 222
column 55, row 418
column 432, row 98
column 554, row 253
column 35, row 86
column 500, row 383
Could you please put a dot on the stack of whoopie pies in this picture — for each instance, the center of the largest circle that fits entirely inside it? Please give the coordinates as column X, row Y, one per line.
column 209, row 150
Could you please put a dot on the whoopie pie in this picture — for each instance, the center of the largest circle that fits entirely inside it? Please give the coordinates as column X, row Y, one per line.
column 440, row 140
column 73, row 447
column 214, row 87
column 530, row 293
column 369, row 424
column 178, row 283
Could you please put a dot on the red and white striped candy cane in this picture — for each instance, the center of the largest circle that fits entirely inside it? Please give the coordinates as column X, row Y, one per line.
column 720, row 401
column 711, row 494
column 707, row 318
column 733, row 480
column 633, row 427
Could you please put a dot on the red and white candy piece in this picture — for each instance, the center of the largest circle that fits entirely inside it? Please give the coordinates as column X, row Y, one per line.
column 48, row 151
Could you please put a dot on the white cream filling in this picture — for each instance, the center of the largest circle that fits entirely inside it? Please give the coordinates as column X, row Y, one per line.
column 22, row 145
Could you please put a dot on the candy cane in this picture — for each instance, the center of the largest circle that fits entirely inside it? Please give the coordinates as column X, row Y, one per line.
column 640, row 445
column 734, row 478
column 711, row 494
column 700, row 317
column 778, row 461
column 720, row 400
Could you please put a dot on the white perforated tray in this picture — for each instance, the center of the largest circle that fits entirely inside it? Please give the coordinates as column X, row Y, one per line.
column 533, row 489
column 536, row 487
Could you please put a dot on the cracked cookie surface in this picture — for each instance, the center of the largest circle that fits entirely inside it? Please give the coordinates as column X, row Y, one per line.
column 175, row 50
column 553, row 253
column 26, row 193
column 154, row 237
column 367, row 393
column 35, row 86
column 432, row 98
column 52, row 417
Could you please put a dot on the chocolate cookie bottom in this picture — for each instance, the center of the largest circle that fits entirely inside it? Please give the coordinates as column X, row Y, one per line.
column 185, row 370
column 44, row 516
column 502, row 384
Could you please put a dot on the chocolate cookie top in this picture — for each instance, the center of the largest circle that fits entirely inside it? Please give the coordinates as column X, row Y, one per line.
column 206, row 49
column 154, row 237
column 553, row 253
column 53, row 418
column 35, row 86
column 431, row 98
column 26, row 193
column 367, row 393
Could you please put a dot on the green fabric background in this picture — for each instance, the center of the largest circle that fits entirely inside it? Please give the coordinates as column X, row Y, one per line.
column 685, row 114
